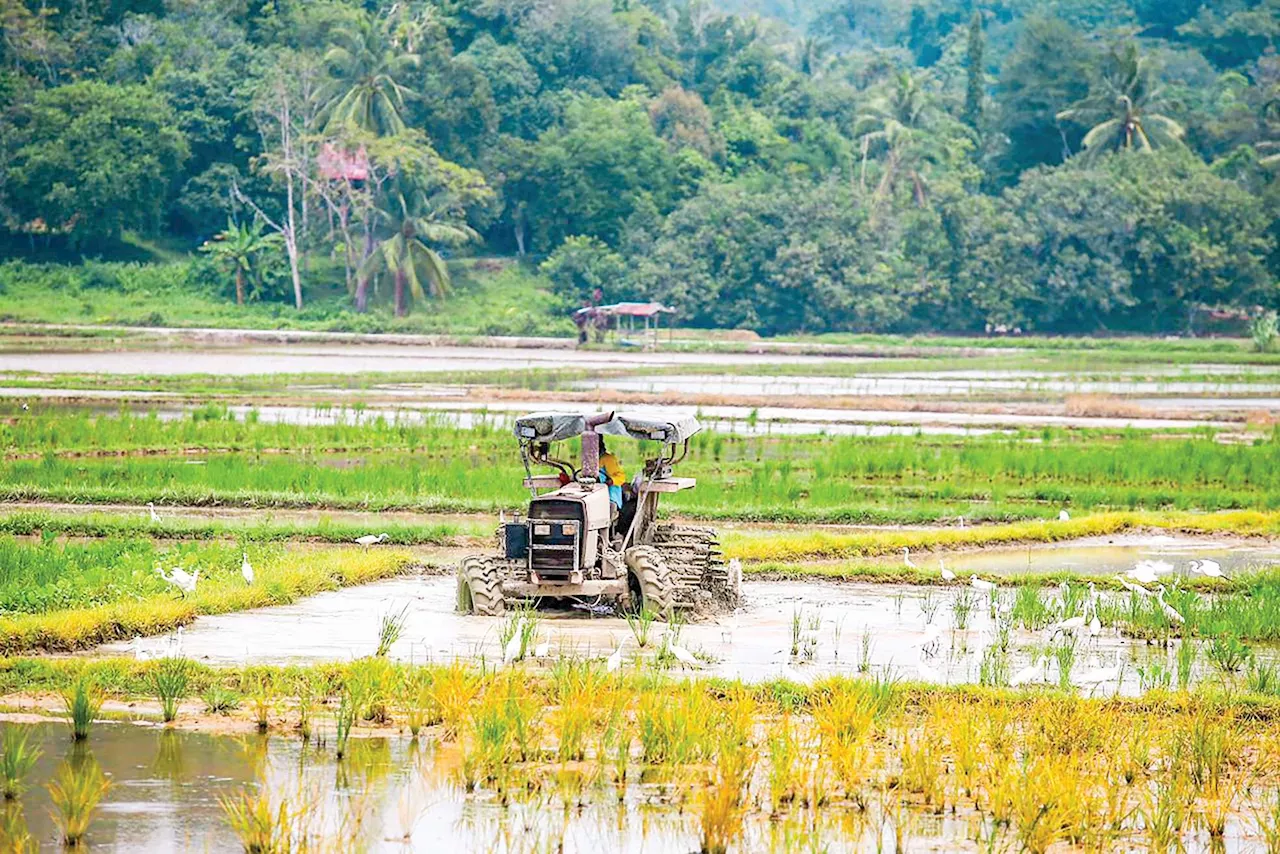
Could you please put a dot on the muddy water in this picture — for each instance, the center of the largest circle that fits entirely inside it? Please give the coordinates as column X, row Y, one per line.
column 392, row 794
column 1117, row 553
column 362, row 358
column 942, row 384
column 755, row 643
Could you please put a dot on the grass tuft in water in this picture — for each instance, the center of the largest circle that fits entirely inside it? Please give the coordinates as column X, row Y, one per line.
column 219, row 700
column 170, row 680
column 390, row 630
column 76, row 791
column 83, row 701
column 16, row 760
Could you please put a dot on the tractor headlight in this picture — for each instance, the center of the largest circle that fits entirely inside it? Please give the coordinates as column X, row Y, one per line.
column 542, row 530
column 569, row 529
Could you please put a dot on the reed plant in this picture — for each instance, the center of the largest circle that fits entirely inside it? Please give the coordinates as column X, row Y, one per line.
column 641, row 624
column 390, row 629
column 220, row 700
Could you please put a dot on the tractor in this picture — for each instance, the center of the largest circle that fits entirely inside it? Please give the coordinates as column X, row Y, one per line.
column 576, row 543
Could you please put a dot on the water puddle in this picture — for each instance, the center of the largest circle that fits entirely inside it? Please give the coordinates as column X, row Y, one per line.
column 1115, row 553
column 798, row 631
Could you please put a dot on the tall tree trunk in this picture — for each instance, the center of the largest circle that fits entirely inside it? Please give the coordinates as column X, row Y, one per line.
column 239, row 285
column 401, row 308
column 362, row 294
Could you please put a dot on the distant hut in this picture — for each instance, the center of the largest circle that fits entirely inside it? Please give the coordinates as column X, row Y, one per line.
column 635, row 323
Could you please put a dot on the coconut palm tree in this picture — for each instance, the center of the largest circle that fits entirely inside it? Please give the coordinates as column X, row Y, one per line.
column 1123, row 108
column 366, row 90
column 405, row 252
column 896, row 122
column 238, row 248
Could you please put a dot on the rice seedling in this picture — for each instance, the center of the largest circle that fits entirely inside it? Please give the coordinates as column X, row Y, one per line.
column 264, row 825
column 1064, row 655
column 416, row 701
column 1263, row 677
column 1228, row 653
column 993, row 670
column 722, row 801
column 641, row 624
column 962, row 608
column 170, row 680
column 797, row 629
column 837, row 631
column 929, row 605
column 16, row 760
column 258, row 686
column 220, row 700
column 1030, row 609
column 82, row 701
column 864, row 650
column 390, row 629
column 15, row 836
column 76, row 791
column 1154, row 675
column 1267, row 817
column 452, row 691
column 345, row 719
column 1186, row 660
column 306, row 709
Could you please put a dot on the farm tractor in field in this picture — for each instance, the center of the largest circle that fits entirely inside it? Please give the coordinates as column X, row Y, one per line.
column 579, row 542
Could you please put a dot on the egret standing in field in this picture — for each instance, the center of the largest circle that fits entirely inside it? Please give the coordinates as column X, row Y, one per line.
column 615, row 661
column 1169, row 611
column 1030, row 673
column 947, row 575
column 980, row 584
column 1064, row 516
column 511, row 652
column 151, row 508
column 371, row 539
column 246, row 569
column 681, row 654
column 181, row 579
column 1133, row 588
column 906, row 558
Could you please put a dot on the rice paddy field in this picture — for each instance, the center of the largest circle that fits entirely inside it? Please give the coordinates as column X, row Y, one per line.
column 942, row 643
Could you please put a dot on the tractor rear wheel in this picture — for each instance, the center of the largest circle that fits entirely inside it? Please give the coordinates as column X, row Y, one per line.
column 653, row 585
column 480, row 587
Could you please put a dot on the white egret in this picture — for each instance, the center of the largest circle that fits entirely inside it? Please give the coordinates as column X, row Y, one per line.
column 1133, row 588
column 542, row 650
column 151, row 508
column 979, row 584
column 947, row 575
column 175, row 643
column 1064, row 516
column 1070, row 626
column 1146, row 571
column 511, row 652
column 140, row 652
column 181, row 579
column 929, row 641
column 1031, row 673
column 683, row 655
column 1211, row 568
column 1169, row 611
column 371, row 539
column 246, row 569
column 1101, row 674
column 906, row 558
column 615, row 661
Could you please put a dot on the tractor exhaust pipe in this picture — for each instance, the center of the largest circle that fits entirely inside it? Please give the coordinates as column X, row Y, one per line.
column 591, row 446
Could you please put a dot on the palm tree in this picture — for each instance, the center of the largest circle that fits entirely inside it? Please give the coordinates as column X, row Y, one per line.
column 366, row 92
column 897, row 121
column 1122, row 111
column 238, row 248
column 405, row 252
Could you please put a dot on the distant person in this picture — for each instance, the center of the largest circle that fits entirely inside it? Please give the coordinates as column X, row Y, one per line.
column 611, row 473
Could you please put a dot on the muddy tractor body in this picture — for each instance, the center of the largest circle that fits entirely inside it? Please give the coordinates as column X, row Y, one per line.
column 575, row 543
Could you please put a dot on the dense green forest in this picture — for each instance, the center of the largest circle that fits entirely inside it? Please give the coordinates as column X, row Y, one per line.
column 841, row 165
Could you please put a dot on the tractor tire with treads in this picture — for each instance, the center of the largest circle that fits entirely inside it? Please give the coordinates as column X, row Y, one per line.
column 651, row 578
column 480, row 587
column 693, row 552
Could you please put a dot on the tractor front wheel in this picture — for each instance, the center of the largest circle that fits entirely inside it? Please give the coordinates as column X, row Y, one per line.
column 480, row 587
column 650, row 580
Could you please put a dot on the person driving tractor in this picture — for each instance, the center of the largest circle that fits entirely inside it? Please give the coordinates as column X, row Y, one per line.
column 611, row 473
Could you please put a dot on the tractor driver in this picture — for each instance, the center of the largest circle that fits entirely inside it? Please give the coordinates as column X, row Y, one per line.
column 621, row 493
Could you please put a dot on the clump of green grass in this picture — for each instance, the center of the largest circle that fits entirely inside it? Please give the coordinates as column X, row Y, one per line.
column 76, row 791
column 83, row 702
column 170, row 680
column 219, row 700
column 17, row 758
column 389, row 631
column 641, row 624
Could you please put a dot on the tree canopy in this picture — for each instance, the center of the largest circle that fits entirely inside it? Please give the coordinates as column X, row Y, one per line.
column 886, row 165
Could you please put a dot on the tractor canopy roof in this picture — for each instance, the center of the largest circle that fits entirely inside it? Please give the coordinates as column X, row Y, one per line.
column 655, row 426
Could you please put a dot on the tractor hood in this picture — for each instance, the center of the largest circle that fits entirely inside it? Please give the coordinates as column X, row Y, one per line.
column 651, row 426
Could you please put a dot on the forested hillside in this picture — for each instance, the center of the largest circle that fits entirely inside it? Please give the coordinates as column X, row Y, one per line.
column 843, row 165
